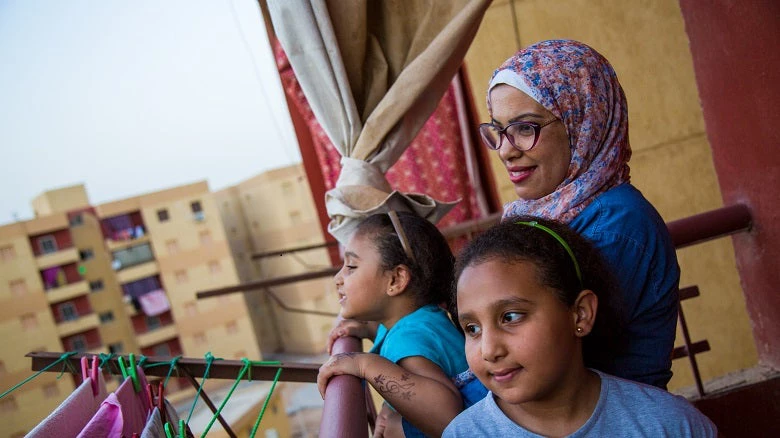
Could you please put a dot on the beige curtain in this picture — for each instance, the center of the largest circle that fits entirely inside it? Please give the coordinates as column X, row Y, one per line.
column 373, row 71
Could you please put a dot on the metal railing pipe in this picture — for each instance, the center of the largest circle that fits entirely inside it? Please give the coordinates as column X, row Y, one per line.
column 344, row 411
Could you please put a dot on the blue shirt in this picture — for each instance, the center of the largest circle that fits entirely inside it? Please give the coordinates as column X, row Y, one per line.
column 426, row 332
column 636, row 244
column 624, row 409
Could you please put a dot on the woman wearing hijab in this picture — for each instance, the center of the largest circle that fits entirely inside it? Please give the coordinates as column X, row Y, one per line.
column 559, row 122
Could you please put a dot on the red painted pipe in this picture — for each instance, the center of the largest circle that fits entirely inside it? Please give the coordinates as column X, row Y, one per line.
column 710, row 225
column 344, row 413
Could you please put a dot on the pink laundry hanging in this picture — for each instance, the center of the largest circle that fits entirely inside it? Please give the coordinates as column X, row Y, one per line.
column 154, row 303
column 124, row 411
column 73, row 414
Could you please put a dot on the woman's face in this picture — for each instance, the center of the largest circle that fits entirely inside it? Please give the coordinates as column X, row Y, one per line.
column 538, row 172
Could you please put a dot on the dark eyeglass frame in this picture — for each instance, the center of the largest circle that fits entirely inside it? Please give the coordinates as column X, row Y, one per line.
column 490, row 127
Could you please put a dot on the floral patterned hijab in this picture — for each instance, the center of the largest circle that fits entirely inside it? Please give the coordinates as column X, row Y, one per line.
column 579, row 86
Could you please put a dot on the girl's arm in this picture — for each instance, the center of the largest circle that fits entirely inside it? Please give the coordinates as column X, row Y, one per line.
column 412, row 387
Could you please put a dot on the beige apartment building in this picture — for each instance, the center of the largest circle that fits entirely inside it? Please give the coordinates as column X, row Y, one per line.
column 118, row 277
column 271, row 212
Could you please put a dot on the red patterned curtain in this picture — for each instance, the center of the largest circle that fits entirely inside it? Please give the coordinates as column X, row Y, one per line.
column 433, row 164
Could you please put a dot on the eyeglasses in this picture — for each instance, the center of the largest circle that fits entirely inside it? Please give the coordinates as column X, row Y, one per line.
column 522, row 135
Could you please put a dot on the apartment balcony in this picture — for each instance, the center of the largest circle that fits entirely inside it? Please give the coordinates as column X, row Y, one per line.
column 68, row 291
column 156, row 336
column 57, row 258
column 138, row 272
column 84, row 323
column 114, row 245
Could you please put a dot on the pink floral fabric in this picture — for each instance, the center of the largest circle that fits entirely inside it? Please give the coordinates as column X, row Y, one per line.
column 579, row 86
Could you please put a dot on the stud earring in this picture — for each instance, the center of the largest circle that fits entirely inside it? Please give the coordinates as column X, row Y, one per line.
column 579, row 329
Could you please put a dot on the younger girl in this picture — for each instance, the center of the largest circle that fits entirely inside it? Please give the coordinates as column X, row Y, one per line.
column 397, row 270
column 528, row 295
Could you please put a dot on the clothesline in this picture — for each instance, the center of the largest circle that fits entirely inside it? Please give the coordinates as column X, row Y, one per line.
column 189, row 368
column 220, row 369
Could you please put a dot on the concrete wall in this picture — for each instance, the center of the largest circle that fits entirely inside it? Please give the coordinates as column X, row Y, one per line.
column 734, row 46
column 672, row 161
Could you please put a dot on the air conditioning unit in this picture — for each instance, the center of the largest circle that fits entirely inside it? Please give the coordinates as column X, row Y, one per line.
column 199, row 216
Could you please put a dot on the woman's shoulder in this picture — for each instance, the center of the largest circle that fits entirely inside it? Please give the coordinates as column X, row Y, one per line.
column 622, row 213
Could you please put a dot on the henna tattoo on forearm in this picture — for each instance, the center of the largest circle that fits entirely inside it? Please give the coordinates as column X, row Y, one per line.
column 388, row 385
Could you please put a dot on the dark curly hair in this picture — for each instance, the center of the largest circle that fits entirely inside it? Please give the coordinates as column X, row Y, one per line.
column 432, row 267
column 511, row 242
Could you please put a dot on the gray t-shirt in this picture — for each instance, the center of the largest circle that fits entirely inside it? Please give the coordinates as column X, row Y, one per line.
column 625, row 409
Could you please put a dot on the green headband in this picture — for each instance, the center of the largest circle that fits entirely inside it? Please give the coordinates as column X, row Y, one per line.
column 563, row 243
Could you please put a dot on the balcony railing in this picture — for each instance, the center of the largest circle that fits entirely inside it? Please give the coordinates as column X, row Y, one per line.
column 81, row 324
column 66, row 292
column 57, row 258
column 132, row 256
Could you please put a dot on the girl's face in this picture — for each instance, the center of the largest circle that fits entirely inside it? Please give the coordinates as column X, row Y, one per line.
column 538, row 172
column 521, row 340
column 362, row 283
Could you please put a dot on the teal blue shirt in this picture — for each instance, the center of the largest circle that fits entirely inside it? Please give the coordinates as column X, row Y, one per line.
column 426, row 332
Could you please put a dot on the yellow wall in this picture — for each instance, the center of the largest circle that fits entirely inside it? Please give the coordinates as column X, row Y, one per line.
column 39, row 397
column 60, row 200
column 671, row 163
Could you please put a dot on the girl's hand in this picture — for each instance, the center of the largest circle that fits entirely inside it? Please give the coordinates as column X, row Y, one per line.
column 340, row 364
column 351, row 327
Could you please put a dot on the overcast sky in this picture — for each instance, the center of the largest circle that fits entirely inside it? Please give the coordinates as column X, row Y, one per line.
column 133, row 97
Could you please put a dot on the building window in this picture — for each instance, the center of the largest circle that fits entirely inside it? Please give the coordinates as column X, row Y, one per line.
column 2, row 368
column 8, row 404
column 200, row 338
column 78, row 343
column 76, row 220
column 205, row 238
column 153, row 323
column 287, row 188
column 181, row 276
column 295, row 217
column 51, row 390
column 233, row 231
column 172, row 246
column 47, row 244
column 7, row 253
column 18, row 287
column 162, row 350
column 96, row 285
column 29, row 321
column 190, row 309
column 231, row 327
column 162, row 215
column 215, row 267
column 106, row 317
column 86, row 254
column 68, row 312
column 196, row 207
column 116, row 348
